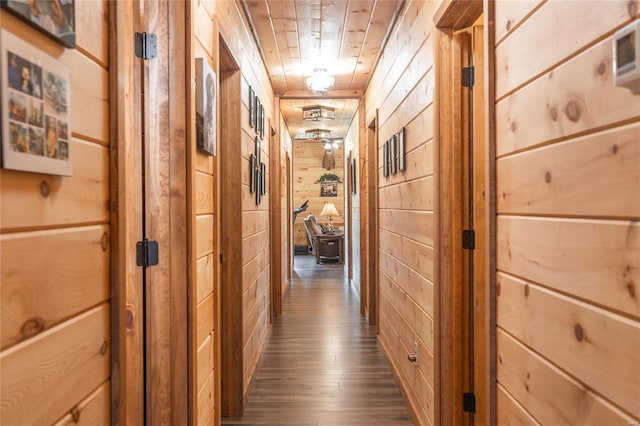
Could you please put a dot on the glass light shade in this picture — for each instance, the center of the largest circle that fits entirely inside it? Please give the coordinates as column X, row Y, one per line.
column 320, row 81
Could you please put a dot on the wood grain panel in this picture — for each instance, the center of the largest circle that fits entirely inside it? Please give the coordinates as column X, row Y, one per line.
column 204, row 163
column 204, row 193
column 204, row 277
column 204, row 315
column 252, row 270
column 254, row 222
column 29, row 200
column 515, row 65
column 594, row 260
column 92, row 30
column 253, row 245
column 415, row 225
column 550, row 395
column 33, row 297
column 510, row 14
column 415, row 255
column 597, row 347
column 46, row 377
column 413, row 195
column 565, row 102
column 205, row 404
column 94, row 410
column 552, row 180
column 204, row 235
column 416, row 287
column 510, row 412
column 203, row 29
column 204, row 362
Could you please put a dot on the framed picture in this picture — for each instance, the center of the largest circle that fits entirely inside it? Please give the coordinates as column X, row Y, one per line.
column 261, row 120
column 354, row 183
column 329, row 189
column 402, row 151
column 263, row 179
column 257, row 150
column 252, row 168
column 55, row 18
column 258, row 105
column 205, row 107
column 394, row 155
column 258, row 179
column 385, row 159
column 36, row 93
column 252, row 108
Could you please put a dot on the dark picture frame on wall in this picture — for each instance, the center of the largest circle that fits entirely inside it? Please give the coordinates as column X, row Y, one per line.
column 258, row 106
column 252, row 168
column 206, row 107
column 402, row 151
column 354, row 174
column 252, row 108
column 36, row 109
column 385, row 159
column 261, row 122
column 258, row 179
column 394, row 155
column 263, row 179
column 54, row 18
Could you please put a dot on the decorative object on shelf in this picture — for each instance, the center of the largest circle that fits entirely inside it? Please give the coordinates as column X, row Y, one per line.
column 329, row 177
column 318, row 113
column 330, row 210
column 36, row 91
column 206, row 83
column 252, row 107
column 402, row 151
column 320, row 81
column 55, row 18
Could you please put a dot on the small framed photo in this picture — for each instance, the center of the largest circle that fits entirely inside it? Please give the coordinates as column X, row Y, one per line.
column 55, row 18
column 394, row 155
column 36, row 93
column 252, row 108
column 205, row 107
column 402, row 151
column 263, row 179
column 354, row 174
column 252, row 168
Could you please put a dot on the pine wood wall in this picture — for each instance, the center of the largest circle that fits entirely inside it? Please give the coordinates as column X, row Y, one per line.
column 55, row 252
column 401, row 89
column 568, row 240
column 307, row 169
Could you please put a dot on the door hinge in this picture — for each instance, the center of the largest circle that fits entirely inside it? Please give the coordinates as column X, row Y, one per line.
column 469, row 239
column 146, row 45
column 468, row 77
column 469, row 402
column 146, row 253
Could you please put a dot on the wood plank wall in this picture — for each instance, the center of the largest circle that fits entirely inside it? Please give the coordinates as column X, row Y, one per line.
column 568, row 239
column 286, row 211
column 352, row 146
column 307, row 169
column 204, row 173
column 55, row 252
column 256, row 280
column 401, row 89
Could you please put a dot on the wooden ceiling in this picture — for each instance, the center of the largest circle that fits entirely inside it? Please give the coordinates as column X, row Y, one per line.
column 343, row 36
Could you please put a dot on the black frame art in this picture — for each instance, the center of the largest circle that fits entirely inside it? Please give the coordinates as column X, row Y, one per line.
column 252, row 107
column 402, row 151
column 54, row 18
column 394, row 155
column 252, row 168
column 385, row 159
column 354, row 174
column 206, row 107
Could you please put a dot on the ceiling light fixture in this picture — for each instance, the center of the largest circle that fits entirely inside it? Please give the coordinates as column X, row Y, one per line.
column 320, row 81
column 317, row 133
column 318, row 113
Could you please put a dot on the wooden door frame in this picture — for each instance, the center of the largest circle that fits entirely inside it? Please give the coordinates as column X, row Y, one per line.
column 229, row 188
column 275, row 216
column 372, row 224
column 166, row 322
column 348, row 217
column 450, row 17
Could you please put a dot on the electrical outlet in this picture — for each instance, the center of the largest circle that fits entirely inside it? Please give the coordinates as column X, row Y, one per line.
column 415, row 351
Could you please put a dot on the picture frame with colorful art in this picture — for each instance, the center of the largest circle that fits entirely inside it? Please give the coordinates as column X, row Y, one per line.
column 36, row 109
column 54, row 18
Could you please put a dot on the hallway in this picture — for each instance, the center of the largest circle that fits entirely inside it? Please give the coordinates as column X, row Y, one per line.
column 322, row 364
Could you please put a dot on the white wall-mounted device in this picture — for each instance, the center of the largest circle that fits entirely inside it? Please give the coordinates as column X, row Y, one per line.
column 626, row 57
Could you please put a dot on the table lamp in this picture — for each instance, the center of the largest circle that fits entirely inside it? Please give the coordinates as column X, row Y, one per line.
column 329, row 209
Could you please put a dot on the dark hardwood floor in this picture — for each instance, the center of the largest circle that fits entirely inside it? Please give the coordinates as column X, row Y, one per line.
column 322, row 364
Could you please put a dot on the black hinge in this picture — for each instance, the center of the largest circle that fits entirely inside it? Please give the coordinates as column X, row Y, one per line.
column 468, row 77
column 469, row 239
column 146, row 253
column 469, row 402
column 146, row 45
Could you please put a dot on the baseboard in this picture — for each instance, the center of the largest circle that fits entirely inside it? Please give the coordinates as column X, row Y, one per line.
column 411, row 402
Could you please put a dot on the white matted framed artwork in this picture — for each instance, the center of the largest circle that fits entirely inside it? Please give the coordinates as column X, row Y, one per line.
column 206, row 110
column 36, row 93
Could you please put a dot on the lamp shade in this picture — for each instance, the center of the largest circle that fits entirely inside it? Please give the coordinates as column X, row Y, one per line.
column 320, row 81
column 329, row 210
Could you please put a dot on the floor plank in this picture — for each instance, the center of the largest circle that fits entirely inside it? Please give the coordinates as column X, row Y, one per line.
column 322, row 364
